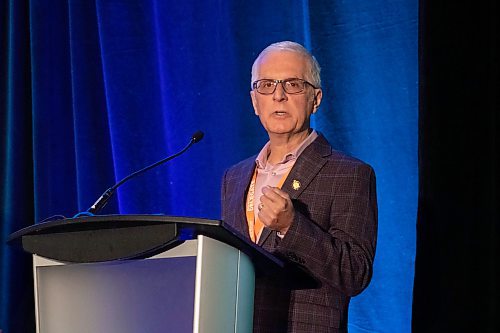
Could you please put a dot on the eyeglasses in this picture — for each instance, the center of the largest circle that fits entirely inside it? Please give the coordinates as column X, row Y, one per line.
column 290, row 86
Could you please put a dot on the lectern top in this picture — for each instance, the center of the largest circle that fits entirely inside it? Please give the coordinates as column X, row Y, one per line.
column 120, row 237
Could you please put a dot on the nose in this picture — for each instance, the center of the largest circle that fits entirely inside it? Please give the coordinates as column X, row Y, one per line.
column 279, row 93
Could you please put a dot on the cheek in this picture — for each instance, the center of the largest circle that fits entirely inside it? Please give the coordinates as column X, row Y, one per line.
column 258, row 106
column 304, row 111
column 261, row 106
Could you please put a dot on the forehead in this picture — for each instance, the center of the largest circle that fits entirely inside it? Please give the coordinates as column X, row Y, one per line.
column 280, row 64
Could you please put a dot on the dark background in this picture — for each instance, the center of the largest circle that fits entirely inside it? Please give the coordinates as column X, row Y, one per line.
column 456, row 276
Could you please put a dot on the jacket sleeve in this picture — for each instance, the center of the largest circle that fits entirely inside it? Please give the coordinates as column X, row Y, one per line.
column 334, row 233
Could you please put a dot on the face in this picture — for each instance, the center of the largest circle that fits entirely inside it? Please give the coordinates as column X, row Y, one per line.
column 280, row 113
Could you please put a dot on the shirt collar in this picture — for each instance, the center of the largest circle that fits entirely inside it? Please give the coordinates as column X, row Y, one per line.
column 261, row 159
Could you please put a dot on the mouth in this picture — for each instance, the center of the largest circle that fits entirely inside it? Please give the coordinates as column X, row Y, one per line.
column 279, row 113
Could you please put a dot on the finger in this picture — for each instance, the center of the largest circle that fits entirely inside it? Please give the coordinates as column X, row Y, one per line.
column 275, row 204
column 281, row 193
column 274, row 194
column 273, row 208
column 268, row 219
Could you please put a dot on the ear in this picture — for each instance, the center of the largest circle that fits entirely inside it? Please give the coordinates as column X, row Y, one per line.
column 318, row 95
column 254, row 103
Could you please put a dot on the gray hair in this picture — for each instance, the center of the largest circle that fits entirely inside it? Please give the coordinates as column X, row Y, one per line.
column 315, row 70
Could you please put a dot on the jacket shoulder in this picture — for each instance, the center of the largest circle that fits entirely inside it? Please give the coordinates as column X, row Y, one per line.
column 338, row 159
column 241, row 168
column 250, row 161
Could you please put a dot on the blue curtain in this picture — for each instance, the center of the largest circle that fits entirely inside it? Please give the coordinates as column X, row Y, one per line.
column 93, row 90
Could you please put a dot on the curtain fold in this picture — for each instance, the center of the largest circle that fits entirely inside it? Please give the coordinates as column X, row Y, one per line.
column 17, row 167
column 94, row 90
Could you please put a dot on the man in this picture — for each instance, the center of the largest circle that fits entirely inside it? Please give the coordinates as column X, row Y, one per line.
column 301, row 200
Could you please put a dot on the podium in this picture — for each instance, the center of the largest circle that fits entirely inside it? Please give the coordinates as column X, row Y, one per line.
column 144, row 273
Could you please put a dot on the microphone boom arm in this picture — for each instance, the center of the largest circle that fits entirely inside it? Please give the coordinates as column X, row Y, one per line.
column 104, row 198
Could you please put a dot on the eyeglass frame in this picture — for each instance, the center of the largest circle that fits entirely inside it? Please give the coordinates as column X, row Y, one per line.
column 254, row 85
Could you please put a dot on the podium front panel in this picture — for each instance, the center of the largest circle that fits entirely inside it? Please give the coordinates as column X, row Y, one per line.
column 153, row 295
column 201, row 286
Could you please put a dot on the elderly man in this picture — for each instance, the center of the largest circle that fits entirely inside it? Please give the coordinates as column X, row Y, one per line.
column 301, row 200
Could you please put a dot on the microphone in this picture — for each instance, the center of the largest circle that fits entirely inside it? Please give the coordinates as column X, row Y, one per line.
column 103, row 199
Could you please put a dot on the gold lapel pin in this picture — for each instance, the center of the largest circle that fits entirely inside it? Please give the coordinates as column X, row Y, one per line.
column 295, row 184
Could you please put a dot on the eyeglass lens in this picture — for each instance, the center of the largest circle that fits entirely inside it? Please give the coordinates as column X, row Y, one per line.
column 291, row 86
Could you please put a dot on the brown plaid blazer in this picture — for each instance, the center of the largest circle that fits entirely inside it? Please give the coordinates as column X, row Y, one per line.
column 333, row 236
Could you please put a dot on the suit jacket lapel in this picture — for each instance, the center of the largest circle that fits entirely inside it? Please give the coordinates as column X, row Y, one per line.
column 264, row 235
column 309, row 163
column 303, row 172
column 242, row 186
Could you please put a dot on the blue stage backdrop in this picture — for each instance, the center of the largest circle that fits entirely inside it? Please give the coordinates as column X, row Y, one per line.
column 93, row 90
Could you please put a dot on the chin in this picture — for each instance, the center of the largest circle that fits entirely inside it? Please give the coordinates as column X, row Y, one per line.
column 280, row 131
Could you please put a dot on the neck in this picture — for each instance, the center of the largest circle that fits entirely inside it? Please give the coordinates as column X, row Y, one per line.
column 282, row 144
